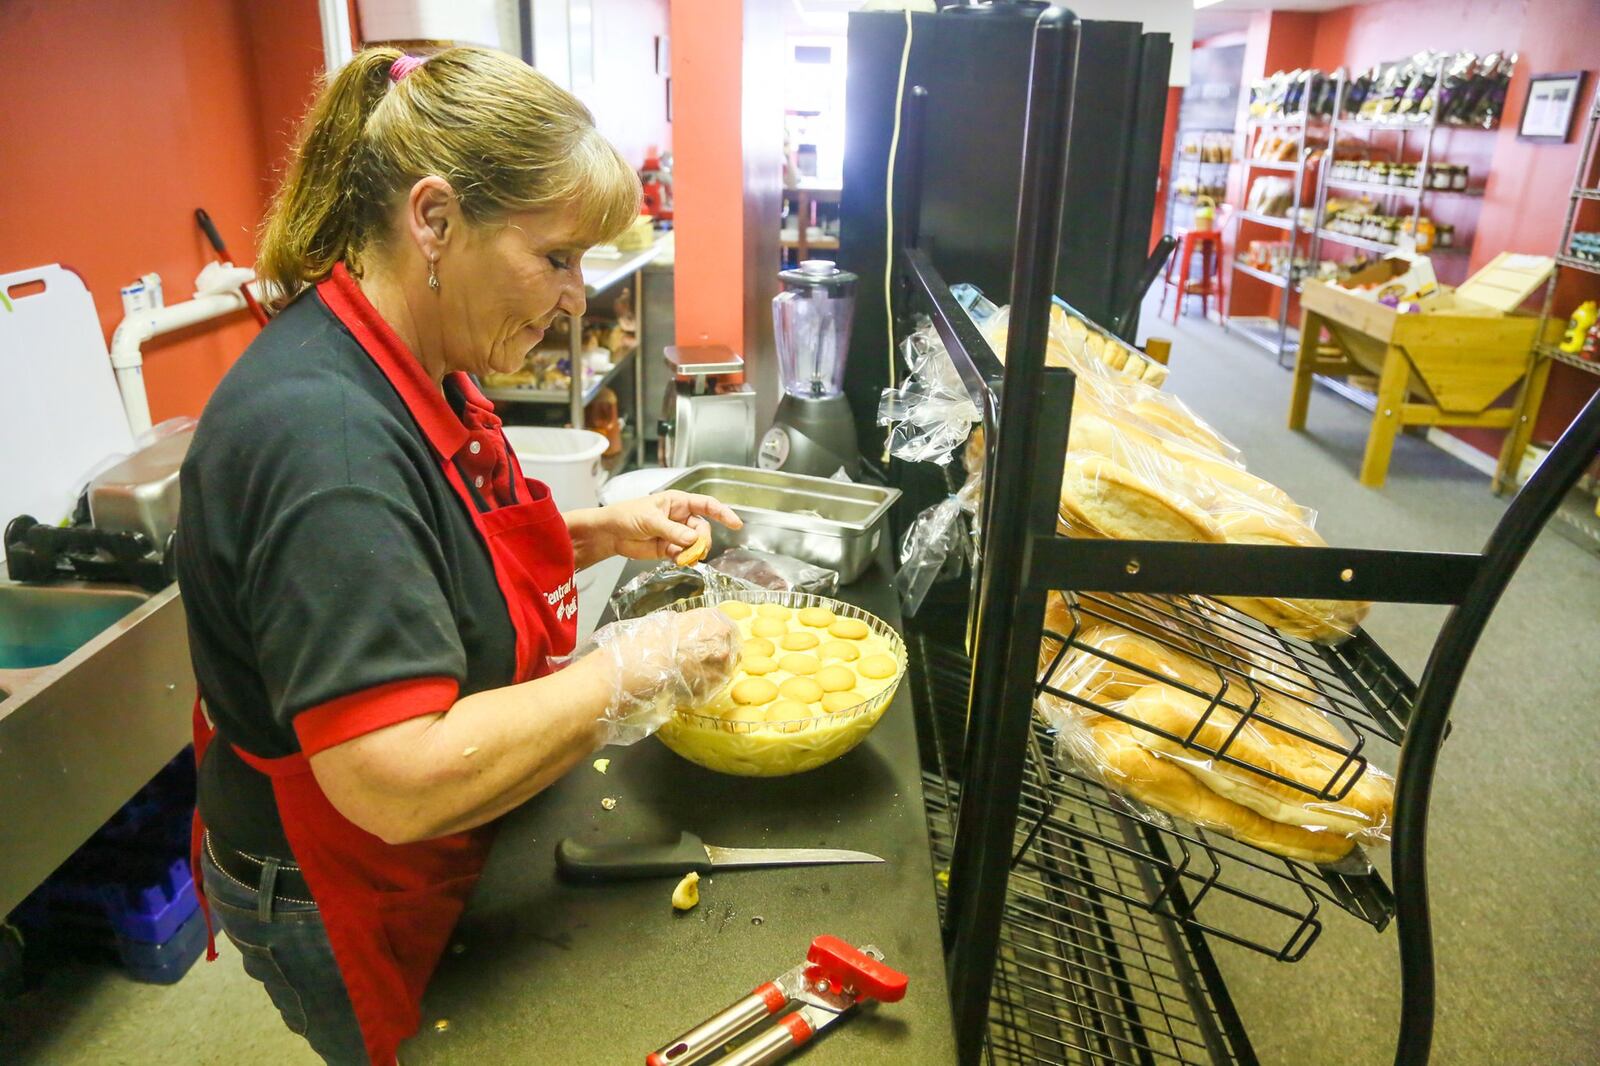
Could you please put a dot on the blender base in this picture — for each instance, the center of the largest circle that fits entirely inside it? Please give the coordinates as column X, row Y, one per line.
column 815, row 436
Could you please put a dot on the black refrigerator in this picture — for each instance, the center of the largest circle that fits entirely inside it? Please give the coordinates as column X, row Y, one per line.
column 967, row 73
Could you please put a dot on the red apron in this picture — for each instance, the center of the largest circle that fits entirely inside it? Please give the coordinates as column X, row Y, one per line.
column 389, row 909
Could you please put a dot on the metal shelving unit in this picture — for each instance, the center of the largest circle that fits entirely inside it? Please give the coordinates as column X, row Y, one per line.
column 1275, row 337
column 1183, row 164
column 1584, row 520
column 1411, row 195
column 1073, row 932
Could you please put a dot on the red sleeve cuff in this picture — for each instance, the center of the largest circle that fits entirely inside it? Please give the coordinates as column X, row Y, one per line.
column 359, row 713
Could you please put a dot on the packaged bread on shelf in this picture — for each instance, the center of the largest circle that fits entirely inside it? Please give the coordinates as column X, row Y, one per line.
column 1076, row 343
column 1181, row 725
column 1129, row 768
column 1321, row 621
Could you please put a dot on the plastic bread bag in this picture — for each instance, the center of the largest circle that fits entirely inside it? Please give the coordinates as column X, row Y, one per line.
column 1319, row 621
column 1077, row 344
column 937, row 543
column 1144, row 718
column 931, row 414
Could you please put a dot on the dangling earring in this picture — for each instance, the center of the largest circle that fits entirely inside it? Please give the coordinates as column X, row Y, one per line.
column 433, row 274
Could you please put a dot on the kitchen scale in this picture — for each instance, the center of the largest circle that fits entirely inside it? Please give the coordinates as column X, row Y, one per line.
column 813, row 431
column 705, row 418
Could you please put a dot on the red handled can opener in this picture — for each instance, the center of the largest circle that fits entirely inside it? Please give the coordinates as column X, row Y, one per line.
column 833, row 979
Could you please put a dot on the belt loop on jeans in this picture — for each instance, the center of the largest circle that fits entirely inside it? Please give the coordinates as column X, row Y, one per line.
column 269, row 884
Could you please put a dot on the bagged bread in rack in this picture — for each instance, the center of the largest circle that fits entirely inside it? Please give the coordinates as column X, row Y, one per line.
column 1140, row 465
column 1151, row 713
column 1076, row 343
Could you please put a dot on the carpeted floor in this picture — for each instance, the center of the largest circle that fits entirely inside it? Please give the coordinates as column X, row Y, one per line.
column 1515, row 843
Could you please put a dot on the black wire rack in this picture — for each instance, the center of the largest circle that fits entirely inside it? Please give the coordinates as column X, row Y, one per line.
column 1088, row 969
column 1025, row 409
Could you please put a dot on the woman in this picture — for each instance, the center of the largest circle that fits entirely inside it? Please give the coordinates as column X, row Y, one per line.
column 374, row 593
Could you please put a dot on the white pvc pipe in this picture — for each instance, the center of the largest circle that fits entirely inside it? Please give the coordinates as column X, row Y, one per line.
column 127, row 358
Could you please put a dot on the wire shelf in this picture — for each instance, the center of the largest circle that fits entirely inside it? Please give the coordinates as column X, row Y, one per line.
column 1086, row 972
column 1253, row 677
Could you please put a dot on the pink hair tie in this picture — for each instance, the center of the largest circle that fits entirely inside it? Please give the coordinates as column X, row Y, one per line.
column 403, row 66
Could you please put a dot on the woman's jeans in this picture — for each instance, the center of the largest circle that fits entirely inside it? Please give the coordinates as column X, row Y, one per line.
column 285, row 947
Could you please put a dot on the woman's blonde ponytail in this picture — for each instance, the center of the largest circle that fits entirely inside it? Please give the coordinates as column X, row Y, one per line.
column 504, row 136
column 320, row 212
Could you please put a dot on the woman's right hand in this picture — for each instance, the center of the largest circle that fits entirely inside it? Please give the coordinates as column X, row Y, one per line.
column 661, row 662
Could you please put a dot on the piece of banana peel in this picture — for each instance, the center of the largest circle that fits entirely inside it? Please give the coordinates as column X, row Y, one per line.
column 687, row 894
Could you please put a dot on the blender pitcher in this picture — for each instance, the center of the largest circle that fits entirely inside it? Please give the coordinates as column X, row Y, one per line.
column 813, row 431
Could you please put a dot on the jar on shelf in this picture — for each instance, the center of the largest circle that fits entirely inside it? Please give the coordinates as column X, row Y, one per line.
column 1444, row 235
column 1458, row 177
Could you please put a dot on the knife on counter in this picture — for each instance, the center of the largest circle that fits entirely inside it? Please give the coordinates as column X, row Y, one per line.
column 628, row 862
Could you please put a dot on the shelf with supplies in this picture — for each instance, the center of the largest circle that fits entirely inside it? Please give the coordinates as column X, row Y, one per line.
column 1550, row 351
column 1578, row 264
column 1407, row 197
column 1076, row 930
column 1399, row 190
column 592, row 386
column 1276, row 221
column 1267, row 276
column 1585, row 188
column 1272, row 164
column 1370, row 245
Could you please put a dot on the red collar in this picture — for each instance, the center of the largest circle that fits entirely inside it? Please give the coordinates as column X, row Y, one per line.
column 417, row 391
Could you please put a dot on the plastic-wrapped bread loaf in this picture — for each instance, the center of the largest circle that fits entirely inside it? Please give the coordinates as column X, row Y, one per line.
column 1104, row 498
column 1113, row 689
column 1264, row 742
column 1323, row 621
column 1129, row 767
column 1141, row 465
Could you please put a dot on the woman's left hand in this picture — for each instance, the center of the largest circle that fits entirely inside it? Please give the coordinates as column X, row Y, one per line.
column 651, row 527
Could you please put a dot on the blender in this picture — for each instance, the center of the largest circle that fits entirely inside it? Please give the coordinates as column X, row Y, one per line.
column 813, row 431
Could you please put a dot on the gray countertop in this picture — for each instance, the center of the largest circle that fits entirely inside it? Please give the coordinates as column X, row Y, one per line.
column 543, row 971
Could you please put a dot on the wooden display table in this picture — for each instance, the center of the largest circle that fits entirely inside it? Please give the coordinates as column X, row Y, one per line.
column 1444, row 366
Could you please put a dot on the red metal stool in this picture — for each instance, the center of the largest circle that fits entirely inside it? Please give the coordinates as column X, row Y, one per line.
column 1208, row 242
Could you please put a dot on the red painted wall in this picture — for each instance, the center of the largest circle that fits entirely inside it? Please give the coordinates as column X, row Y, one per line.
column 120, row 120
column 708, row 178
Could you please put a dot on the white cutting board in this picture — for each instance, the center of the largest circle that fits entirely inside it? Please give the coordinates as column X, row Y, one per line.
column 60, row 412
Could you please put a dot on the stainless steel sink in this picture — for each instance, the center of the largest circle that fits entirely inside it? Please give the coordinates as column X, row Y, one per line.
column 42, row 624
column 95, row 690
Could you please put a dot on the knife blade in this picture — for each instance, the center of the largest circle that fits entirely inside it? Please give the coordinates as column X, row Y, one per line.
column 627, row 862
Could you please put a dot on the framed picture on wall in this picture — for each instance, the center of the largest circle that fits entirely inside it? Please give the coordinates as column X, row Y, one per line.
column 1552, row 102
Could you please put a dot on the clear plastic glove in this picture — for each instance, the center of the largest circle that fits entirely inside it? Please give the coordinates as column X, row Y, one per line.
column 659, row 663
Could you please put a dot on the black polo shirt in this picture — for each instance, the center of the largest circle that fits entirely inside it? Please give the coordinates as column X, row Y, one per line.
column 334, row 580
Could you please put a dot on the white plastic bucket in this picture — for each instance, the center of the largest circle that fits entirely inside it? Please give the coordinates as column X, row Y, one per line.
column 568, row 460
column 637, row 483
